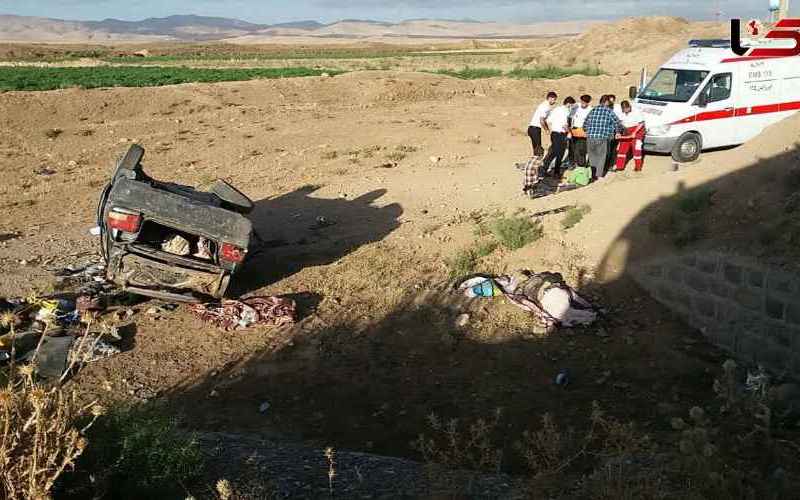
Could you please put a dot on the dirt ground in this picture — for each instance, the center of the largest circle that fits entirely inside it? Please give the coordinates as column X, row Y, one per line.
column 377, row 349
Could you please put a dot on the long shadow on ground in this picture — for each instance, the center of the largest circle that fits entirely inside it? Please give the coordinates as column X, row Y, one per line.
column 301, row 230
column 370, row 383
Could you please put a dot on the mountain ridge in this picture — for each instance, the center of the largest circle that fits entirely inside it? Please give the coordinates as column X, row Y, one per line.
column 190, row 27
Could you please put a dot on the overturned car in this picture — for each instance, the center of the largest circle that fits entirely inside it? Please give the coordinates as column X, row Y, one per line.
column 170, row 241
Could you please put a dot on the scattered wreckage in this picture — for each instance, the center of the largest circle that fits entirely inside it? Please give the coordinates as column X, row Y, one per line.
column 170, row 241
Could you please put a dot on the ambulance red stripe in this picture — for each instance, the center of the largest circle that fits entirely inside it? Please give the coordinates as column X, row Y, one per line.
column 788, row 23
column 748, row 58
column 752, row 110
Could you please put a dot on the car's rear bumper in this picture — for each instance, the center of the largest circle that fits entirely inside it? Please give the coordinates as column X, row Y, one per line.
column 148, row 276
column 659, row 144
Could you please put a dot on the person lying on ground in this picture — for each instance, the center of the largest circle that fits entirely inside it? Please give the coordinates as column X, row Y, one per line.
column 546, row 295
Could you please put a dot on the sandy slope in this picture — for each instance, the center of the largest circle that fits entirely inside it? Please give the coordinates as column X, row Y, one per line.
column 645, row 42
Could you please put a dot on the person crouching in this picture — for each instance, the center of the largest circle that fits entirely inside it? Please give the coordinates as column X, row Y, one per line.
column 538, row 122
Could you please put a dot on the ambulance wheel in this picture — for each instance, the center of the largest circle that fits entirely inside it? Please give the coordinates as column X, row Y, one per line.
column 687, row 148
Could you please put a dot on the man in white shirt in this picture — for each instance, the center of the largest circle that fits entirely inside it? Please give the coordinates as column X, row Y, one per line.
column 558, row 124
column 538, row 122
column 632, row 141
column 577, row 142
column 631, row 117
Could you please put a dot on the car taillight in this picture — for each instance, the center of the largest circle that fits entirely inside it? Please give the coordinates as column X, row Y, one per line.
column 231, row 253
column 126, row 222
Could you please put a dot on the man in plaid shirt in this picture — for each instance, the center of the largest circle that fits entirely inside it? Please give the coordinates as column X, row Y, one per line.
column 602, row 127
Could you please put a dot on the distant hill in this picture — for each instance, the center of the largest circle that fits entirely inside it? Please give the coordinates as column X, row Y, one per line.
column 302, row 25
column 203, row 28
column 178, row 27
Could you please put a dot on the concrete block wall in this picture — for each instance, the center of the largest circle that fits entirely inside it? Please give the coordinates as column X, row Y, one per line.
column 751, row 310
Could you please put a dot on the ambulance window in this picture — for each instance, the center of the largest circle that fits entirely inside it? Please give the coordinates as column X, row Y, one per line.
column 674, row 85
column 719, row 88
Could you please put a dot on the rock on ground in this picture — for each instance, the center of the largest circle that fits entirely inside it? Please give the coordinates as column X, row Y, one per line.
column 268, row 468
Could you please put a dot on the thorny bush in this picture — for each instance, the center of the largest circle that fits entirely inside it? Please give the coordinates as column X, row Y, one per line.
column 40, row 433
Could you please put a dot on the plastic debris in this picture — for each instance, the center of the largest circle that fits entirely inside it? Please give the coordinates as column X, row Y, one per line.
column 758, row 383
column 176, row 245
column 562, row 378
column 263, row 407
column 462, row 320
column 480, row 287
column 89, row 278
column 89, row 350
column 95, row 231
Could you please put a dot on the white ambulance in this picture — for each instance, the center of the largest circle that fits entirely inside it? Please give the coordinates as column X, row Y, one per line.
column 707, row 97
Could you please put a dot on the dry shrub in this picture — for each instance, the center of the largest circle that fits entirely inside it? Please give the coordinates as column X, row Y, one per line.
column 457, row 448
column 621, row 480
column 40, row 434
column 329, row 155
column 249, row 490
column 396, row 155
column 548, row 449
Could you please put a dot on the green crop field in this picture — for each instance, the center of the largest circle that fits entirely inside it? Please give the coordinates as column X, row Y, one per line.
column 35, row 78
column 552, row 72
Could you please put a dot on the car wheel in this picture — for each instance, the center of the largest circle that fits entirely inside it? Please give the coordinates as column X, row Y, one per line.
column 687, row 148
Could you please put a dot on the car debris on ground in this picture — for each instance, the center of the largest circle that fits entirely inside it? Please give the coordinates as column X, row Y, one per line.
column 51, row 334
column 237, row 314
column 545, row 295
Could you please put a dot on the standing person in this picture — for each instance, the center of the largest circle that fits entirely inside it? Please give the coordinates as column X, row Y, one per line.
column 632, row 140
column 601, row 126
column 613, row 105
column 538, row 123
column 558, row 124
column 577, row 143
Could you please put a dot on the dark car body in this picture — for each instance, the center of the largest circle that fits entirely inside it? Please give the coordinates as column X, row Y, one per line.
column 139, row 217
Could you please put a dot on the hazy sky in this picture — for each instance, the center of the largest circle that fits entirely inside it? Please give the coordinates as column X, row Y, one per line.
column 273, row 11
